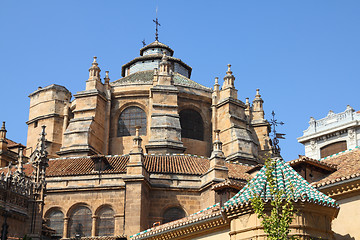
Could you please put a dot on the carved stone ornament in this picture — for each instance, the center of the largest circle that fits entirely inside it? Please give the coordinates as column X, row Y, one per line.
column 351, row 134
column 313, row 145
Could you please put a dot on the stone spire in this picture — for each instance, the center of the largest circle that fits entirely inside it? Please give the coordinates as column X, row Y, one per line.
column 39, row 162
column 229, row 78
column 165, row 76
column 216, row 85
column 94, row 81
column 258, row 105
column 94, row 70
column 137, row 141
column 165, row 65
column 20, row 167
column 247, row 109
column 217, row 146
column 107, row 78
column 228, row 88
column 3, row 142
column 3, row 131
column 217, row 171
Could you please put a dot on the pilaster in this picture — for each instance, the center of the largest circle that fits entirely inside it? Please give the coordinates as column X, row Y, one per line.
column 218, row 171
column 137, row 190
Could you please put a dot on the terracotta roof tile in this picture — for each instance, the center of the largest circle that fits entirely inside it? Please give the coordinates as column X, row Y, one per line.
column 170, row 164
column 84, row 165
column 321, row 164
column 210, row 212
column 238, row 171
column 180, row 164
column 347, row 167
column 11, row 143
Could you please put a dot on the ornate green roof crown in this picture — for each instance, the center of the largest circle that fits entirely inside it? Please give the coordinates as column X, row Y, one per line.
column 287, row 180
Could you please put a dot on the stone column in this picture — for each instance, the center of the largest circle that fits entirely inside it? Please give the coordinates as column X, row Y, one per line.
column 137, row 190
column 66, row 226
column 93, row 229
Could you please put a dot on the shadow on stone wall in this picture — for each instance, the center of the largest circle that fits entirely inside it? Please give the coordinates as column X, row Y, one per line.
column 343, row 237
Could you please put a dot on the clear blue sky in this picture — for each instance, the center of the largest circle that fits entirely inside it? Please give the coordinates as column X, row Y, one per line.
column 303, row 55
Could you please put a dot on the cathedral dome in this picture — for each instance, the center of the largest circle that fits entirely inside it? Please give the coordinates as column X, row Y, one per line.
column 157, row 47
column 150, row 58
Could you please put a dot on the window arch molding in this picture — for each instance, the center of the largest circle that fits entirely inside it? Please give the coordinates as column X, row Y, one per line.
column 80, row 220
column 126, row 107
column 55, row 219
column 169, row 215
column 105, row 222
column 192, row 123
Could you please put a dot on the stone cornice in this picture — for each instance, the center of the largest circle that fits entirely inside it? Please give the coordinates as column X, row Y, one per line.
column 332, row 131
column 43, row 117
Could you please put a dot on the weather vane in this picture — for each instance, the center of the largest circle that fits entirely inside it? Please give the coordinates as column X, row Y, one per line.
column 276, row 136
column 157, row 24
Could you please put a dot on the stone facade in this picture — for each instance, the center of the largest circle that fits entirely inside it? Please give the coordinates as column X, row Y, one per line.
column 158, row 84
column 144, row 149
column 332, row 134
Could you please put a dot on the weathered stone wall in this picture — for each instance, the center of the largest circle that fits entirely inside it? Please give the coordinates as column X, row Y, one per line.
column 163, row 199
column 68, row 192
column 47, row 108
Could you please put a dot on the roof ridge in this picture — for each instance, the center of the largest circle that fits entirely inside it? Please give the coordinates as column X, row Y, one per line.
column 339, row 179
column 87, row 157
column 305, row 158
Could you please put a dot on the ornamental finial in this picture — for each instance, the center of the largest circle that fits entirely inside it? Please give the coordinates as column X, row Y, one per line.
column 229, row 69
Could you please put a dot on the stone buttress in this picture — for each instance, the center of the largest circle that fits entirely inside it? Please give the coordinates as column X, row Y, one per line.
column 165, row 129
column 85, row 134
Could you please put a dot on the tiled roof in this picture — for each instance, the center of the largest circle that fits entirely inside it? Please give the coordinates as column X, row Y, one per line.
column 155, row 56
column 181, row 164
column 228, row 183
column 85, row 165
column 320, row 164
column 210, row 212
column 11, row 143
column 171, row 164
column 146, row 77
column 238, row 171
column 348, row 167
column 288, row 180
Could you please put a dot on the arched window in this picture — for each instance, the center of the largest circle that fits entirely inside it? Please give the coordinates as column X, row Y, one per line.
column 129, row 119
column 192, row 125
column 105, row 222
column 173, row 214
column 55, row 220
column 80, row 222
column 333, row 148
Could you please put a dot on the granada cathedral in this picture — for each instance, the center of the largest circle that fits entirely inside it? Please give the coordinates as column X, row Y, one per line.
column 137, row 151
column 153, row 154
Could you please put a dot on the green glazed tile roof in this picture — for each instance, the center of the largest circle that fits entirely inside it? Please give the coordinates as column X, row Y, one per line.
column 146, row 77
column 288, row 180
